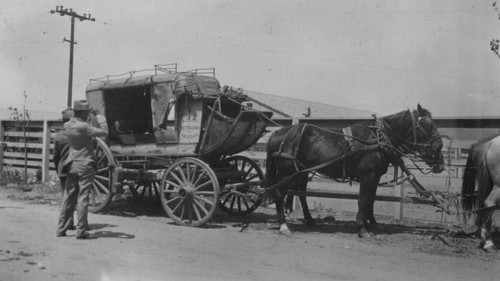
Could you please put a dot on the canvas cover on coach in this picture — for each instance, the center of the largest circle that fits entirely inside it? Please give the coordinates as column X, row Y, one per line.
column 181, row 82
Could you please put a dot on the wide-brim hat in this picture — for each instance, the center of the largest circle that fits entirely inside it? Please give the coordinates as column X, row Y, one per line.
column 81, row 105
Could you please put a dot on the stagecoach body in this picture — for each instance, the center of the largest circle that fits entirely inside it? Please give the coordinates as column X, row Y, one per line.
column 172, row 137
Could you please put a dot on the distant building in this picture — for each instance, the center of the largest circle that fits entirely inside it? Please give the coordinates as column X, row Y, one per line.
column 285, row 107
column 6, row 114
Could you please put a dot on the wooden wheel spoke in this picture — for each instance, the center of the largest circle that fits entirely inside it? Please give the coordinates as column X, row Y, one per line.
column 207, row 201
column 189, row 207
column 206, row 193
column 97, row 192
column 252, row 177
column 195, row 183
column 246, row 204
column 173, row 199
column 173, row 184
column 104, row 170
column 101, row 186
column 182, row 173
column 177, row 178
column 143, row 191
column 233, row 200
column 183, row 209
column 194, row 172
column 196, row 211
column 202, row 185
column 227, row 199
column 188, row 173
column 101, row 178
column 170, row 191
column 181, row 203
column 200, row 206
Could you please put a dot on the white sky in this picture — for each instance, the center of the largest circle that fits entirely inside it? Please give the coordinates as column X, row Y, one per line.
column 381, row 56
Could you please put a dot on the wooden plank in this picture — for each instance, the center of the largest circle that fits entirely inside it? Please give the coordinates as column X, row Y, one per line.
column 28, row 145
column 28, row 135
column 37, row 156
column 2, row 132
column 20, row 134
column 15, row 162
column 46, row 151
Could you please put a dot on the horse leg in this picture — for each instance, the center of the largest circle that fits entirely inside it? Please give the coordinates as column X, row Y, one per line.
column 486, row 237
column 288, row 201
column 370, row 216
column 305, row 210
column 280, row 214
column 492, row 200
column 367, row 190
column 302, row 186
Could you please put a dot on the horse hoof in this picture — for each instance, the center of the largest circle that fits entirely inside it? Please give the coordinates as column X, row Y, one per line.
column 489, row 247
column 285, row 231
column 365, row 235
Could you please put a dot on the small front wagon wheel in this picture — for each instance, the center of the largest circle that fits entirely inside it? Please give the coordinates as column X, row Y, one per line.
column 246, row 200
column 189, row 192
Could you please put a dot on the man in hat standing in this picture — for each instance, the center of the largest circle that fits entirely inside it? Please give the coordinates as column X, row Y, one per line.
column 60, row 155
column 80, row 168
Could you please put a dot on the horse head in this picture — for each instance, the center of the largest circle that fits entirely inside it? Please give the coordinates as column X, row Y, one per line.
column 427, row 140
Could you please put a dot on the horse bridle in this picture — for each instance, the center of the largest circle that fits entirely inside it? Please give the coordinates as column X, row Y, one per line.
column 406, row 144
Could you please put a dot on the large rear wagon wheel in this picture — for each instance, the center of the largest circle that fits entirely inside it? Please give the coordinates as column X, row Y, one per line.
column 245, row 200
column 101, row 194
column 189, row 192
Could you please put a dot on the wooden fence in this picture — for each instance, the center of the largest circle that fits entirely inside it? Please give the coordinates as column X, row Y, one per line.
column 30, row 148
column 33, row 149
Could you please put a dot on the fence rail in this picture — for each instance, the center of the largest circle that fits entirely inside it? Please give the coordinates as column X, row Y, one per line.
column 34, row 148
column 30, row 149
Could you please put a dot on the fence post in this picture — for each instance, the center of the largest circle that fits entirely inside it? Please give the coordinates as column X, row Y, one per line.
column 2, row 138
column 399, row 192
column 46, row 151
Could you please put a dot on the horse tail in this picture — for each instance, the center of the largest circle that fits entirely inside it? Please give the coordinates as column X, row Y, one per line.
column 476, row 170
column 469, row 182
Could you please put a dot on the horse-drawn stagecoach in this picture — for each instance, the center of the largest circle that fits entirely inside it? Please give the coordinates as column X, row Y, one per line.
column 172, row 135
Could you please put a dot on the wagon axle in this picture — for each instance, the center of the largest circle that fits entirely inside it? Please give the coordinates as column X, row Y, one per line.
column 187, row 191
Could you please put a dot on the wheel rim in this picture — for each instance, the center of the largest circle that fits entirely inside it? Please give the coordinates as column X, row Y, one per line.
column 100, row 194
column 189, row 192
column 242, row 203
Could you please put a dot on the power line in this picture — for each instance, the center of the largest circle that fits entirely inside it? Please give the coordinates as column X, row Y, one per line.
column 69, row 12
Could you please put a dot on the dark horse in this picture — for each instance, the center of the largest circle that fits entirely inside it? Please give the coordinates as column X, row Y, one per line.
column 483, row 168
column 363, row 154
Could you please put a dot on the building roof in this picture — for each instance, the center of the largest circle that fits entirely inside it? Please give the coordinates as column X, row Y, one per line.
column 6, row 114
column 283, row 107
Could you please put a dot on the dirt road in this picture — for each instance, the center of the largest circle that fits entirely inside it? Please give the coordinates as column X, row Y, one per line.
column 145, row 245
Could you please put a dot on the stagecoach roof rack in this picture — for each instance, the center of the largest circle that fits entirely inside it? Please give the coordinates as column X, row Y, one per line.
column 169, row 68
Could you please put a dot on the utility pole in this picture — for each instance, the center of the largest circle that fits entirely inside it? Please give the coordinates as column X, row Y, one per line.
column 69, row 12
